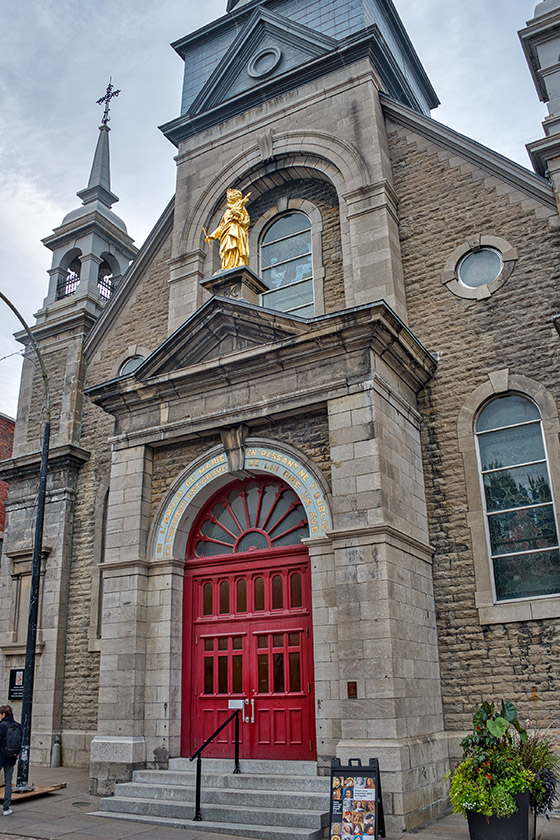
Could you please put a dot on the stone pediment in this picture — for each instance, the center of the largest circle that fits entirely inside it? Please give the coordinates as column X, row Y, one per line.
column 269, row 46
column 218, row 329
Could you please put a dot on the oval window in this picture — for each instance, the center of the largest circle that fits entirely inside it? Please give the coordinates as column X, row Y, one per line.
column 479, row 268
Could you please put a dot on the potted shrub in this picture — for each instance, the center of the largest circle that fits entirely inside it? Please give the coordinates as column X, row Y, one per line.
column 537, row 754
column 490, row 785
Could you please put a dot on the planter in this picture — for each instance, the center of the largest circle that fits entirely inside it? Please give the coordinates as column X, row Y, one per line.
column 532, row 824
column 515, row 827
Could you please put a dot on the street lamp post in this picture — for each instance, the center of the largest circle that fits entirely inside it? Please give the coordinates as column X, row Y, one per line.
column 22, row 784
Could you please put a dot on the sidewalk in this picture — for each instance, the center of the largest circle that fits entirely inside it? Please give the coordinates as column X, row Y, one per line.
column 66, row 813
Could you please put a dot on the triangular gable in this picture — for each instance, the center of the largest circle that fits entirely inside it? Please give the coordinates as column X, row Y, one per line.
column 269, row 46
column 219, row 328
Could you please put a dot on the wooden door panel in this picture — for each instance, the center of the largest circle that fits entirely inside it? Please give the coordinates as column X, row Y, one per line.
column 280, row 729
column 263, row 730
column 296, row 726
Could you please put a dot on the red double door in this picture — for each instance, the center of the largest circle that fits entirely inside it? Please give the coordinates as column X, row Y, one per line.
column 248, row 644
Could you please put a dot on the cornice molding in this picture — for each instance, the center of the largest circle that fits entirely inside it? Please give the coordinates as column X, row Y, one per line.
column 383, row 533
column 67, row 456
column 78, row 320
column 374, row 326
column 144, row 566
column 87, row 224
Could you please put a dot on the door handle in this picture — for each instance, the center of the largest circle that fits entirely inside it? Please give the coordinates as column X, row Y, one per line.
column 243, row 718
column 252, row 710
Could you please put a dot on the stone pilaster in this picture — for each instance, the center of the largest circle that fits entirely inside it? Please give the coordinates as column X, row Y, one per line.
column 385, row 613
column 120, row 746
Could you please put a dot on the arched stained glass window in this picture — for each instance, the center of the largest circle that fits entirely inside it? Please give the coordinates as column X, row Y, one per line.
column 519, row 506
column 286, row 265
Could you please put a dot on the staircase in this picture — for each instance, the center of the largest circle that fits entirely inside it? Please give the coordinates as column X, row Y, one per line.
column 268, row 800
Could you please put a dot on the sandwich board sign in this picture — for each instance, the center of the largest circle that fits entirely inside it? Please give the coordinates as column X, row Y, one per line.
column 356, row 804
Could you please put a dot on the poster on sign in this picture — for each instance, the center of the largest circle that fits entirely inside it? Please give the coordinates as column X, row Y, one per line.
column 356, row 804
column 15, row 687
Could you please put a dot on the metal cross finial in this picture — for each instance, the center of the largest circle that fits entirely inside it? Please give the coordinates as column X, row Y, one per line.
column 109, row 93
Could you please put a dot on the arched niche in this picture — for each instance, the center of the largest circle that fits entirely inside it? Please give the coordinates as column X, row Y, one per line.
column 300, row 181
column 297, row 154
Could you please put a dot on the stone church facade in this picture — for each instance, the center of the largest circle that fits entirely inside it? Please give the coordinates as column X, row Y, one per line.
column 323, row 485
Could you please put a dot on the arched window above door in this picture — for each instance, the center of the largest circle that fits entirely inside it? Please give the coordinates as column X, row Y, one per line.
column 250, row 515
column 517, row 496
column 286, row 264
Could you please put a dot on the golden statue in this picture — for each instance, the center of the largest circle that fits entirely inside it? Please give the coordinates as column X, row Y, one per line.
column 233, row 231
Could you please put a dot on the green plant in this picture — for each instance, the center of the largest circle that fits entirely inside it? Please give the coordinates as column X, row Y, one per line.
column 491, row 772
column 538, row 755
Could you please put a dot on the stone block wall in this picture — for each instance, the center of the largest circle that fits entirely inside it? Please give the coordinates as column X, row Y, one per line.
column 332, row 128
column 141, row 328
column 386, row 637
column 6, row 445
column 444, row 201
column 55, row 363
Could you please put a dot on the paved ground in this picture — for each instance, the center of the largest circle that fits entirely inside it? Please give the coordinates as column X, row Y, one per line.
column 65, row 814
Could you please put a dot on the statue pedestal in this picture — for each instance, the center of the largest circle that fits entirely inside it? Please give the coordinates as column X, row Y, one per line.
column 238, row 283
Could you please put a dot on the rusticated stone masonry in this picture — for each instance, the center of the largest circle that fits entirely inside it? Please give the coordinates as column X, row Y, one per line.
column 442, row 202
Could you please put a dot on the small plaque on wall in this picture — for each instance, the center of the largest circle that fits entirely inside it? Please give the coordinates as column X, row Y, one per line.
column 15, row 690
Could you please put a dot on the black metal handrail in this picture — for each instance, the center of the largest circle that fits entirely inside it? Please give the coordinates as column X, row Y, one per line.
column 198, row 755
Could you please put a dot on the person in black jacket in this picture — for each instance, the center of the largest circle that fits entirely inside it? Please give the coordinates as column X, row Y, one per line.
column 7, row 759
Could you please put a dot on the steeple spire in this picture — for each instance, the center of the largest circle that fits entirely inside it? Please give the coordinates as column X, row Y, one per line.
column 99, row 185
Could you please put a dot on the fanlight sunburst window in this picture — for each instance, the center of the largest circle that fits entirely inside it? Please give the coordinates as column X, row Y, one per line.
column 253, row 515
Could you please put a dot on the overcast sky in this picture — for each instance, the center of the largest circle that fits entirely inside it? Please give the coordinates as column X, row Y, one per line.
column 56, row 57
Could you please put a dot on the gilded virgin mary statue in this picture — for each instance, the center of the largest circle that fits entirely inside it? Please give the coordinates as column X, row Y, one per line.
column 233, row 231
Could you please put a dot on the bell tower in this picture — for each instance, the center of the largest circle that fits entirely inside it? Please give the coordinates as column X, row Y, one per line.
column 91, row 251
column 91, row 248
column 541, row 44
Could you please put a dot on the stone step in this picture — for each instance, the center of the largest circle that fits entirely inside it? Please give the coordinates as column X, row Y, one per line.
column 316, row 784
column 255, row 832
column 228, row 815
column 247, row 797
column 267, row 768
